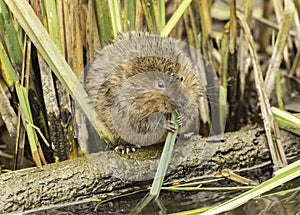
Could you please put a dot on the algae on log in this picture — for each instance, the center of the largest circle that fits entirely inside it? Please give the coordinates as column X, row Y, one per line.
column 108, row 174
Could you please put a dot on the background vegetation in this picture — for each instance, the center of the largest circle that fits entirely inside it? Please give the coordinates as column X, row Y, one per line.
column 252, row 45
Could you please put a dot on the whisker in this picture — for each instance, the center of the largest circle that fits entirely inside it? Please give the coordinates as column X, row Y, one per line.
column 211, row 87
column 213, row 94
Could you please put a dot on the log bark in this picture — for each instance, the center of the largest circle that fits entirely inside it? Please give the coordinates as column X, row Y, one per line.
column 108, row 174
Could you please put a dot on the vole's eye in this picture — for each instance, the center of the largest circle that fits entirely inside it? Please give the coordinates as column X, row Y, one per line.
column 161, row 84
column 181, row 79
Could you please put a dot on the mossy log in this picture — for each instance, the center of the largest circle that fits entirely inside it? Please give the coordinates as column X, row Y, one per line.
column 108, row 174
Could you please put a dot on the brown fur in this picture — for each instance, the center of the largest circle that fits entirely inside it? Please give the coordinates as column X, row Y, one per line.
column 134, row 94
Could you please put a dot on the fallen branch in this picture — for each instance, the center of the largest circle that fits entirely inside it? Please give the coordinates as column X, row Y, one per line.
column 108, row 174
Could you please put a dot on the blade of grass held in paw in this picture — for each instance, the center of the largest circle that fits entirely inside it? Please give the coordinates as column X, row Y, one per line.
column 165, row 159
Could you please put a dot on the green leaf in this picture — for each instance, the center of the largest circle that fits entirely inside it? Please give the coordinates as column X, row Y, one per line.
column 165, row 159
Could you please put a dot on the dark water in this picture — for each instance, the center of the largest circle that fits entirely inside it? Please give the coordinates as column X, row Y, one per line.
column 285, row 201
column 276, row 205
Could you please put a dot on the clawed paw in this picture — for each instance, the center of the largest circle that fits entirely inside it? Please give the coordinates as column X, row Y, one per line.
column 181, row 119
column 126, row 148
column 170, row 126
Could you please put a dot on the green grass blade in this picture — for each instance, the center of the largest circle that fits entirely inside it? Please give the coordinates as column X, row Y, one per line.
column 149, row 12
column 8, row 72
column 205, row 188
column 114, row 8
column 161, row 15
column 52, row 20
column 129, row 15
column 31, row 133
column 164, row 160
column 286, row 120
column 174, row 19
column 104, row 22
column 10, row 36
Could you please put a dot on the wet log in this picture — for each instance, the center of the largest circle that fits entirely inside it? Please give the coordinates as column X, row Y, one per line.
column 108, row 174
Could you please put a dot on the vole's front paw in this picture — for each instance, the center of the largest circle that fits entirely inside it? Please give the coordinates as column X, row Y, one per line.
column 181, row 119
column 170, row 126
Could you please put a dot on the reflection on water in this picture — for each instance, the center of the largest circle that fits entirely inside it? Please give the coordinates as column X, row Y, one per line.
column 285, row 201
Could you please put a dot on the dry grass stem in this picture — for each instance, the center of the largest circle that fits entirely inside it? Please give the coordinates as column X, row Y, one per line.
column 273, row 69
column 271, row 127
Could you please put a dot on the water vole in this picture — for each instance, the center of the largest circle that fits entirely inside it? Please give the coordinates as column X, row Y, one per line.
column 136, row 82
